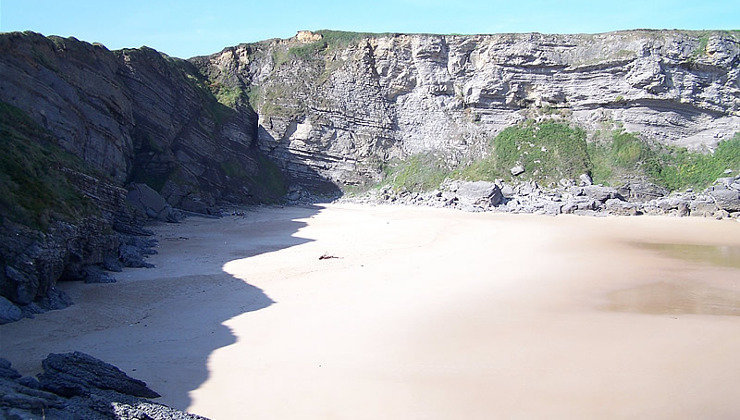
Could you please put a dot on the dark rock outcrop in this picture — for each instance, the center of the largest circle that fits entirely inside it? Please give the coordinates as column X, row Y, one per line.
column 135, row 115
column 8, row 311
column 76, row 373
column 76, row 385
column 147, row 201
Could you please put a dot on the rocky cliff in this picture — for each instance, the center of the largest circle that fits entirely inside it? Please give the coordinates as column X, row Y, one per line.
column 81, row 125
column 97, row 141
column 136, row 115
column 342, row 102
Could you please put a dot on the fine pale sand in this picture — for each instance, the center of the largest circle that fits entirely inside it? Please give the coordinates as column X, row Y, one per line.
column 425, row 313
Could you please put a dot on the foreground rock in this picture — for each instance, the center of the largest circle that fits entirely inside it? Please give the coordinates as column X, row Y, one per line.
column 721, row 200
column 75, row 386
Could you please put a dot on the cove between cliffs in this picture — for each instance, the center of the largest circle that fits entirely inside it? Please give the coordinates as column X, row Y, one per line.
column 424, row 313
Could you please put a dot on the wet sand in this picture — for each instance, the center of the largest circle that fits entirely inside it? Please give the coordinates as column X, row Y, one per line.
column 425, row 313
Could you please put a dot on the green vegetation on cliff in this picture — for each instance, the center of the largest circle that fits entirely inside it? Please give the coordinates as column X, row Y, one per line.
column 549, row 151
column 34, row 188
column 420, row 172
column 681, row 168
column 624, row 154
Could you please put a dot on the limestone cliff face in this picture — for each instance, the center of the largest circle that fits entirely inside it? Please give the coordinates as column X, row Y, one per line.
column 343, row 103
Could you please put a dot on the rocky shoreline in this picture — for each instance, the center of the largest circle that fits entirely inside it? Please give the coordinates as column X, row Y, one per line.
column 77, row 385
column 88, row 250
column 720, row 200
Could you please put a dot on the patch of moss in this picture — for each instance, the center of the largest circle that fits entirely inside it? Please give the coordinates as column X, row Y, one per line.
column 680, row 168
column 625, row 154
column 701, row 49
column 226, row 95
column 308, row 51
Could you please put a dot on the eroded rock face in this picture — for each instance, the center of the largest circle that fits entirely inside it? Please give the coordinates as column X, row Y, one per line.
column 342, row 108
column 147, row 201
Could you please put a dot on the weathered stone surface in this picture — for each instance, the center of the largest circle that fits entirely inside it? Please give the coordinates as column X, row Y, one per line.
column 132, row 256
column 593, row 200
column 726, row 199
column 75, row 373
column 478, row 193
column 641, row 190
column 9, row 312
column 144, row 199
column 585, row 180
column 596, row 192
column 95, row 274
column 517, row 170
column 7, row 371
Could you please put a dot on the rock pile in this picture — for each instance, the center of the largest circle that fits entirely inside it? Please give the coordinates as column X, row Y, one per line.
column 721, row 200
column 76, row 386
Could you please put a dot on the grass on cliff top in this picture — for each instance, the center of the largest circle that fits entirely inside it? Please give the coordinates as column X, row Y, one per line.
column 33, row 186
column 550, row 151
column 329, row 40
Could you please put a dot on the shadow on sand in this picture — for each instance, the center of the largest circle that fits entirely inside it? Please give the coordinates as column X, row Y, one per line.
column 193, row 317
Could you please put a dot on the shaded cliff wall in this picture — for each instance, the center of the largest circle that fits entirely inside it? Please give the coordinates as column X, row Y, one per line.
column 77, row 124
column 137, row 115
column 343, row 103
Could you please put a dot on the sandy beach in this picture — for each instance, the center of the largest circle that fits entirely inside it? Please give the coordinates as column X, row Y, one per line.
column 423, row 313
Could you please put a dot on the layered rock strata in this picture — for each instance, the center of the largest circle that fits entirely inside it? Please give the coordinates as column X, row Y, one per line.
column 343, row 103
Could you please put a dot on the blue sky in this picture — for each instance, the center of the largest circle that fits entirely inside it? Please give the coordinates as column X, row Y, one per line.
column 188, row 28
